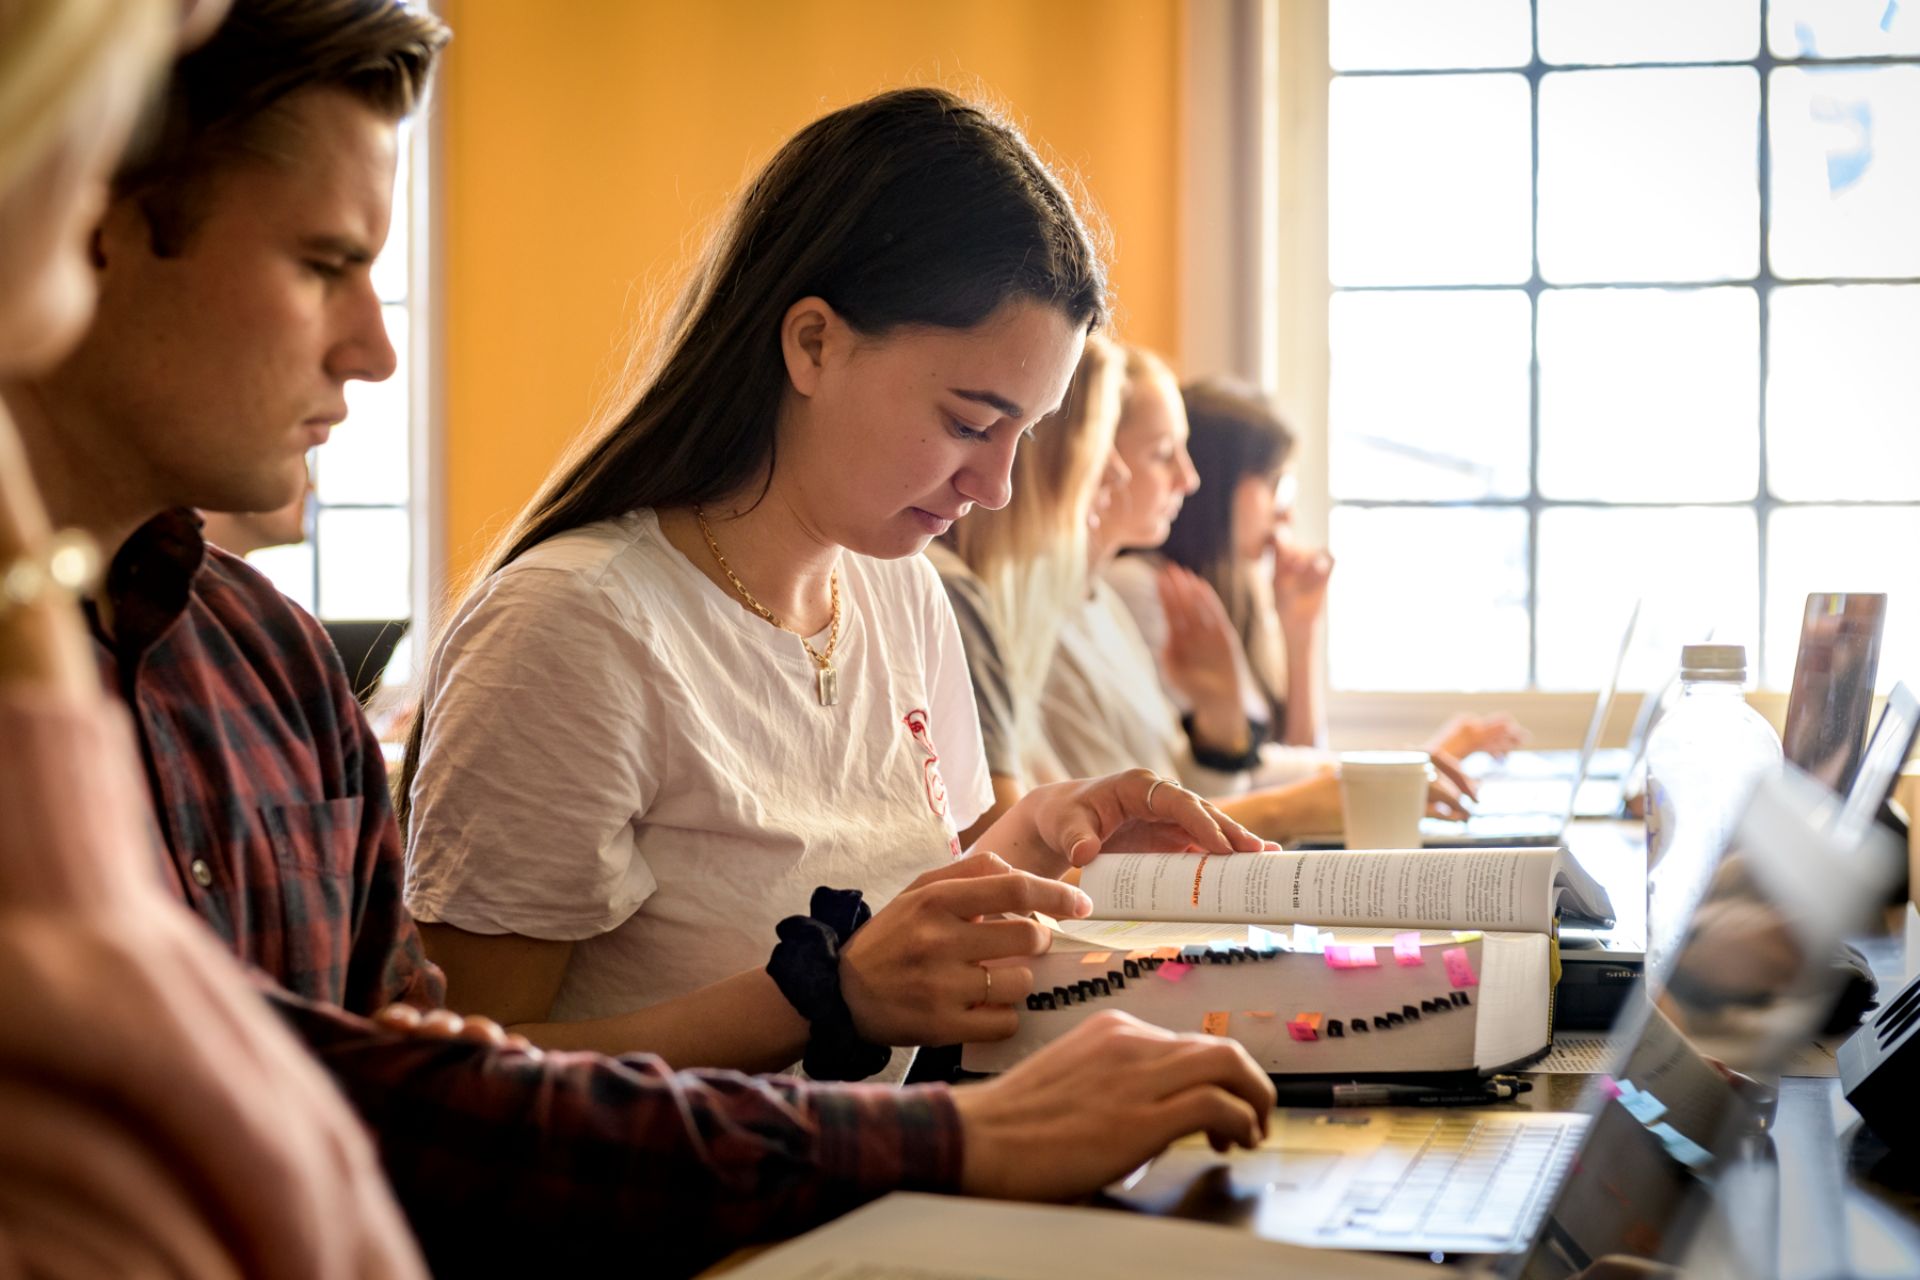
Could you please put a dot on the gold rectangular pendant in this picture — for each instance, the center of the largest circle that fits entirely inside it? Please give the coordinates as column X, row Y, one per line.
column 829, row 681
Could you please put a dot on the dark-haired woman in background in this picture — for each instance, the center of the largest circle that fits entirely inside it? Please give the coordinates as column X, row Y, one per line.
column 1234, row 536
column 707, row 671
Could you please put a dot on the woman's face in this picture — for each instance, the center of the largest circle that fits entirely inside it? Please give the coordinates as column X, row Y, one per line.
column 1152, row 446
column 1262, row 508
column 885, row 442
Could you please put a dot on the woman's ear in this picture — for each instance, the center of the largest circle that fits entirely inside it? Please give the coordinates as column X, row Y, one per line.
column 806, row 332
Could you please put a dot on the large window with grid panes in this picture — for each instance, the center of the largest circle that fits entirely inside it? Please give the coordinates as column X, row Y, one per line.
column 357, row 561
column 1625, row 306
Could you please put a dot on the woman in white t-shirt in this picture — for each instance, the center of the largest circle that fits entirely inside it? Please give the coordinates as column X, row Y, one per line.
column 709, row 673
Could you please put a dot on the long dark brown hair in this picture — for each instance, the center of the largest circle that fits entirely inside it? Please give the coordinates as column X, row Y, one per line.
column 1235, row 431
column 914, row 207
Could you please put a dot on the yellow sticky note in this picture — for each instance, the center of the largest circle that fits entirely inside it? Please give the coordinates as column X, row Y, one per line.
column 1308, row 1019
column 1467, row 935
column 1096, row 957
column 1214, row 1024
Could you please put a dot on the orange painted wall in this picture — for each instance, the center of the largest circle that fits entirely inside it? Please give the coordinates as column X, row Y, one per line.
column 588, row 143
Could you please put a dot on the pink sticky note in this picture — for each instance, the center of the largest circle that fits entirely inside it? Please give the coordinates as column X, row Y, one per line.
column 1302, row 1031
column 1459, row 967
column 1174, row 970
column 1351, row 956
column 1608, row 1087
column 1406, row 949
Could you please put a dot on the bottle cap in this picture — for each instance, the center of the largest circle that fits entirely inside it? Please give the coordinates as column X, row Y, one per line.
column 1713, row 662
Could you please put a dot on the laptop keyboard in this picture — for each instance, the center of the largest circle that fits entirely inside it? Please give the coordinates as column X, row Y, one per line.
column 1475, row 1182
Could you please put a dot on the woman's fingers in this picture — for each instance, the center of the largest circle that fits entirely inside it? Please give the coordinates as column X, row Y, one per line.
column 1451, row 769
column 1013, row 893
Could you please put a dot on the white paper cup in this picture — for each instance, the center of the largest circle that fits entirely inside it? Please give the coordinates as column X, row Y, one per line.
column 1383, row 796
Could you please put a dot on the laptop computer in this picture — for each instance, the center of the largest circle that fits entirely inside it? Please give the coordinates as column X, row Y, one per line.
column 1751, row 981
column 1524, row 808
column 1833, row 680
column 1545, row 1190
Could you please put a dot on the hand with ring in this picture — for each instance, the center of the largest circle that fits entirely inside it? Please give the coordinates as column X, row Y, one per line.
column 945, row 961
column 1066, row 824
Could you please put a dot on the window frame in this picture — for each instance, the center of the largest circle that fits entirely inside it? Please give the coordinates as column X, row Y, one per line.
column 1279, row 308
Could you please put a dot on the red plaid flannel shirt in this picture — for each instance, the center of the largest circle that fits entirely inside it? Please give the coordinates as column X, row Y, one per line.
column 270, row 793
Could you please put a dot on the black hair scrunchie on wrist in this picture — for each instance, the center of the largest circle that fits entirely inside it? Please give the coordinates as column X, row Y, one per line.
column 806, row 968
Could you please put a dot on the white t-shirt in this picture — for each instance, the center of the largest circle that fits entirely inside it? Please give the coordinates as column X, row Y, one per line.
column 618, row 754
column 1103, row 706
column 1136, row 580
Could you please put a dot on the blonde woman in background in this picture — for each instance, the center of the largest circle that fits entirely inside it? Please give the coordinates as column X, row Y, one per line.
column 154, row 1119
column 1013, row 574
column 1104, row 699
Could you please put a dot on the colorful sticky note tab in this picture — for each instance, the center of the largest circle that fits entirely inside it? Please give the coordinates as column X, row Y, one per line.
column 1681, row 1147
column 1166, row 953
column 1406, row 949
column 1259, row 1013
column 1609, row 1086
column 1214, row 1024
column 1301, row 1031
column 1467, row 935
column 1306, row 938
column 1311, row 1019
column 1351, row 956
column 1096, row 957
column 1459, row 967
column 1643, row 1107
column 1173, row 970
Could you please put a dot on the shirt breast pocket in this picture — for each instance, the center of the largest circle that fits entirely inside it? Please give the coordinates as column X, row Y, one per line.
column 307, row 922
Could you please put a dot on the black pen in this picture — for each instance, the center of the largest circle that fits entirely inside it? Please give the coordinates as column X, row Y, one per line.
column 1301, row 1094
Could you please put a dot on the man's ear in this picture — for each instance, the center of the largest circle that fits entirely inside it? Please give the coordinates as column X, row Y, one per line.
column 807, row 331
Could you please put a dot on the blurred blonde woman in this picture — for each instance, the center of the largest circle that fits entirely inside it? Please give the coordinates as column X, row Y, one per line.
column 154, row 1119
column 1012, row 574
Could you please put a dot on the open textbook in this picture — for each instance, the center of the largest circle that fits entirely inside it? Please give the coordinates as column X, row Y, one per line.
column 1325, row 963
column 1513, row 889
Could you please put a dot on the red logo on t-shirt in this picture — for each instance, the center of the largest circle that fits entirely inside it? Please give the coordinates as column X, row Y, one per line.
column 936, row 786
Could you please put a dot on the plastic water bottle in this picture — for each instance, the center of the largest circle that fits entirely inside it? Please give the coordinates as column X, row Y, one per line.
column 1702, row 760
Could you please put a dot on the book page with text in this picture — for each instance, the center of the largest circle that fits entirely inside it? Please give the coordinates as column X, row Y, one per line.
column 1434, row 889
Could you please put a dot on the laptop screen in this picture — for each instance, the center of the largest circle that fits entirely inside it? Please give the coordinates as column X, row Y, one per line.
column 1833, row 681
column 1751, row 981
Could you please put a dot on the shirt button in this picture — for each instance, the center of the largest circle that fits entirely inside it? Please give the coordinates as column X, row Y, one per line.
column 202, row 873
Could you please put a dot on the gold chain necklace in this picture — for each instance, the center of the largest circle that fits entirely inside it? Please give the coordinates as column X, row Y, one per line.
column 827, row 680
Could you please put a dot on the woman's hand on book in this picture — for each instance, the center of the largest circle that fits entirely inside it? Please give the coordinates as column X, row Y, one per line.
column 941, row 963
column 1067, row 824
column 1101, row 1099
